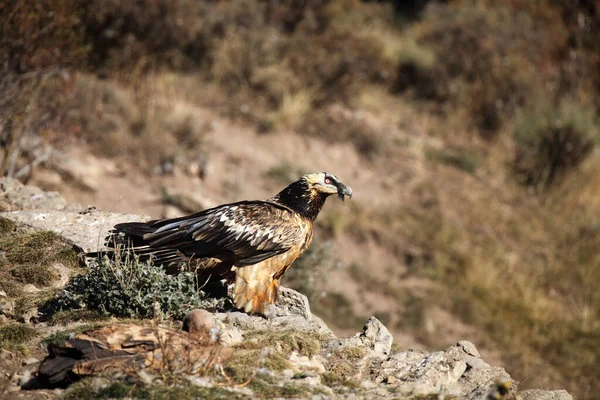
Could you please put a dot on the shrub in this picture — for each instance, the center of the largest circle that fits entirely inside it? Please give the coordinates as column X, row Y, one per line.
column 42, row 34
column 486, row 58
column 553, row 141
column 133, row 289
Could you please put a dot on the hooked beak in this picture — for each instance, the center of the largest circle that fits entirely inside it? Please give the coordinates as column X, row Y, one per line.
column 344, row 190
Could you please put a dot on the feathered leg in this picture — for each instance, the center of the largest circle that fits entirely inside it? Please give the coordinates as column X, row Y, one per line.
column 255, row 289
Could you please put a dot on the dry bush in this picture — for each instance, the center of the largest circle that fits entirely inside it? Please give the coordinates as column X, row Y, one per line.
column 139, row 35
column 486, row 58
column 42, row 34
column 553, row 141
column 117, row 119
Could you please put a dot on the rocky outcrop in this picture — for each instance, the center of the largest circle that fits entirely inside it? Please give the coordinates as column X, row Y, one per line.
column 310, row 357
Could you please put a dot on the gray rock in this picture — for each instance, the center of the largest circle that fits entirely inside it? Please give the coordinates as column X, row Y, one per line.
column 30, row 315
column 291, row 312
column 17, row 196
column 375, row 337
column 29, row 288
column 198, row 322
column 469, row 348
column 7, row 307
column 537, row 394
column 30, row 360
column 85, row 230
column 419, row 373
column 230, row 335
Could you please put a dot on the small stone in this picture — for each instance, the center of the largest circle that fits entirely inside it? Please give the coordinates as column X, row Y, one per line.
column 469, row 348
column 231, row 336
column 29, row 361
column 2, row 293
column 287, row 373
column 198, row 322
column 7, row 307
column 367, row 384
column 145, row 377
column 29, row 288
column 476, row 363
column 30, row 316
column 391, row 380
column 314, row 363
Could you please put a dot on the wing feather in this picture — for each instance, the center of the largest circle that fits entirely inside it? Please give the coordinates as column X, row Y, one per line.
column 252, row 231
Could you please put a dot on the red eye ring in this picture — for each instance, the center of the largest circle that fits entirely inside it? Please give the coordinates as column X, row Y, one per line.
column 327, row 181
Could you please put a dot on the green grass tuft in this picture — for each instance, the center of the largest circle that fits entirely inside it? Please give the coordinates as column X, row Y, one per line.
column 133, row 289
column 12, row 336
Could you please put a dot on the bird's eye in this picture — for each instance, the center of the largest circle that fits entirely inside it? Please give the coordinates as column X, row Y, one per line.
column 328, row 181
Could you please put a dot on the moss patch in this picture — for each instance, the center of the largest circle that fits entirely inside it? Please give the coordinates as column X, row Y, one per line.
column 244, row 364
column 7, row 226
column 30, row 256
column 12, row 336
column 65, row 317
column 342, row 367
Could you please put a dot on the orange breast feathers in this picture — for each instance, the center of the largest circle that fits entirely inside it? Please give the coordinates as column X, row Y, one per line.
column 256, row 286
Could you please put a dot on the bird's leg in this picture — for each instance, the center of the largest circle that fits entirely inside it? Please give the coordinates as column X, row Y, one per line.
column 255, row 289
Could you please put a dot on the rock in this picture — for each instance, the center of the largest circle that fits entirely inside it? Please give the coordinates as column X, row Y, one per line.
column 375, row 337
column 30, row 315
column 2, row 293
column 291, row 303
column 198, row 322
column 7, row 307
column 231, row 336
column 29, row 288
column 469, row 348
column 145, row 377
column 378, row 337
column 315, row 363
column 537, row 394
column 418, row 373
column 30, row 360
column 85, row 230
column 24, row 197
column 291, row 312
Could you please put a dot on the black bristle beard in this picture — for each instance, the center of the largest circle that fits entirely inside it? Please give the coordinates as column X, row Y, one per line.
column 299, row 198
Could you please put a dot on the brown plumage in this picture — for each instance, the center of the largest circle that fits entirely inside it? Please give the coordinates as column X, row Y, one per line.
column 126, row 348
column 249, row 243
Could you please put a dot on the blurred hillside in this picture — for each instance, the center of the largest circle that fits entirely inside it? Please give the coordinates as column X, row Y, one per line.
column 468, row 130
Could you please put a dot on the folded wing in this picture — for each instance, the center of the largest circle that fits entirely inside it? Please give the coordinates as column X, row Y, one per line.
column 246, row 232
